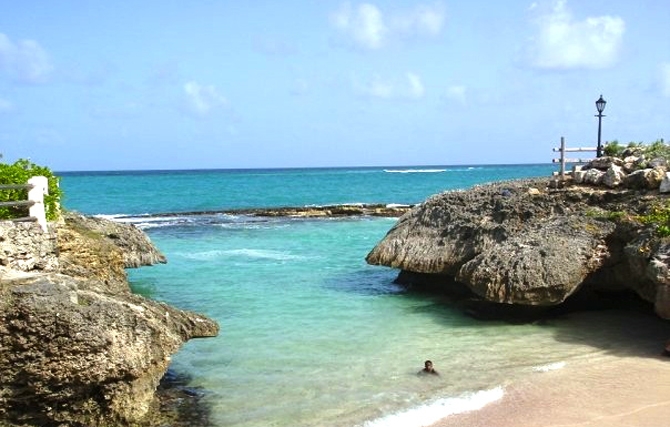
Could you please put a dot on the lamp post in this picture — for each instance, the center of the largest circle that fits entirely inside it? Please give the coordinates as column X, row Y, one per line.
column 600, row 106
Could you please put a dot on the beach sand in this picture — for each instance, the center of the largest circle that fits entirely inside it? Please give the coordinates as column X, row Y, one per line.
column 612, row 391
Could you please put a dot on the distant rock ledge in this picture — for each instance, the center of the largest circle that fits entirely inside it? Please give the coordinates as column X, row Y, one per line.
column 77, row 347
column 320, row 211
column 524, row 243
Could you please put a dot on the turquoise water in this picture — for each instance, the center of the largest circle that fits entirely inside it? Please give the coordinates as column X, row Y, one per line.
column 183, row 191
column 310, row 334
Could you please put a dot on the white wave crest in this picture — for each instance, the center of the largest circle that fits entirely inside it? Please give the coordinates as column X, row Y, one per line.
column 246, row 253
column 432, row 412
column 549, row 367
column 414, row 170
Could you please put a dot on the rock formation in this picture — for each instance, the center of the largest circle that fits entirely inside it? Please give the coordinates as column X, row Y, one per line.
column 76, row 346
column 531, row 242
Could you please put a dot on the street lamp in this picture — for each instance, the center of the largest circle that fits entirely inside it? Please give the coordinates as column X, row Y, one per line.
column 600, row 106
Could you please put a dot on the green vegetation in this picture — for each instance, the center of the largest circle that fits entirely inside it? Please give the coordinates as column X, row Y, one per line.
column 655, row 150
column 615, row 216
column 19, row 173
column 658, row 216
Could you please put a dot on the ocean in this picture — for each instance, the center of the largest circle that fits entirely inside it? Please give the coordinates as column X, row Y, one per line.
column 310, row 334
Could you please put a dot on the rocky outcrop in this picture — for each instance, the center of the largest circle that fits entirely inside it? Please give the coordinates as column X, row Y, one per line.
column 322, row 211
column 76, row 346
column 522, row 242
column 135, row 246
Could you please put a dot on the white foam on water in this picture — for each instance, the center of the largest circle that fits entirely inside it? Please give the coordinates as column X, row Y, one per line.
column 549, row 367
column 246, row 253
column 146, row 219
column 434, row 411
column 111, row 217
column 414, row 170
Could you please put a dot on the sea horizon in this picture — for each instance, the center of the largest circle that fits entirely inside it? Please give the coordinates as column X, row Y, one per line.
column 290, row 168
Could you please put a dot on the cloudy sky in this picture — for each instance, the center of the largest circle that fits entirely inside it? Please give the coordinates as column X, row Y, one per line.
column 108, row 85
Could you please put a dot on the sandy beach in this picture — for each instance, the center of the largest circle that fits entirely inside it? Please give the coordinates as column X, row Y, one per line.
column 613, row 391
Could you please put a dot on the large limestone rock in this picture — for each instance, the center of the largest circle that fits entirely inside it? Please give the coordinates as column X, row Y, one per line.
column 76, row 346
column 74, row 355
column 136, row 248
column 510, row 245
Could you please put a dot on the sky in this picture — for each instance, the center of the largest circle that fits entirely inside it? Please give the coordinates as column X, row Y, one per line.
column 127, row 85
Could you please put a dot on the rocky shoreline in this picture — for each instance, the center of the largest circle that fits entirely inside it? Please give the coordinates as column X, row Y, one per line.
column 531, row 243
column 77, row 347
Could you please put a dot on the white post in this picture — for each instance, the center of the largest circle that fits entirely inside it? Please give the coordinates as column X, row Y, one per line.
column 562, row 158
column 36, row 194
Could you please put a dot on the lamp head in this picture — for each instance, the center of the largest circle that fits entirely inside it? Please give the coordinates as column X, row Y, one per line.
column 600, row 104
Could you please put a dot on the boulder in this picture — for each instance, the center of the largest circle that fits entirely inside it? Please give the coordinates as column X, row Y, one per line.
column 665, row 184
column 75, row 356
column 594, row 177
column 136, row 247
column 507, row 245
column 614, row 176
column 644, row 179
column 604, row 163
column 77, row 347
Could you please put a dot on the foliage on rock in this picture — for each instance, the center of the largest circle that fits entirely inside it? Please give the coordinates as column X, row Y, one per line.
column 655, row 150
column 19, row 173
column 659, row 217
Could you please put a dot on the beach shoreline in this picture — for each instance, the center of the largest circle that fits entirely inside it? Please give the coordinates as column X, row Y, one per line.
column 614, row 391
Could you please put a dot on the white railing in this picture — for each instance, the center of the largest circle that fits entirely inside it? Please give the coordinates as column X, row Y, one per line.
column 37, row 187
column 563, row 160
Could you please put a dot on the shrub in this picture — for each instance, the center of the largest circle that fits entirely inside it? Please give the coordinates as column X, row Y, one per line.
column 658, row 216
column 655, row 150
column 613, row 149
column 19, row 173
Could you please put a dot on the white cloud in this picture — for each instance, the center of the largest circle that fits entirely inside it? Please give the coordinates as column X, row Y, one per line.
column 409, row 88
column 368, row 28
column 562, row 42
column 202, row 100
column 364, row 24
column 416, row 89
column 664, row 79
column 424, row 20
column 24, row 61
column 456, row 93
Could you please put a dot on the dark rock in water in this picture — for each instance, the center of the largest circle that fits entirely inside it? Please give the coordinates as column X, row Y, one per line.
column 182, row 405
column 325, row 211
column 523, row 243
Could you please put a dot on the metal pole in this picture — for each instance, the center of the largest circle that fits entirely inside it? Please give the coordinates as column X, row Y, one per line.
column 600, row 122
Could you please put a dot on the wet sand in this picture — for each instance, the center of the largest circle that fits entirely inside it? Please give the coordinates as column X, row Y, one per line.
column 612, row 391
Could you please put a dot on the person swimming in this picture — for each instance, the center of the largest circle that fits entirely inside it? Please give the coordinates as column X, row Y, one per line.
column 428, row 369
